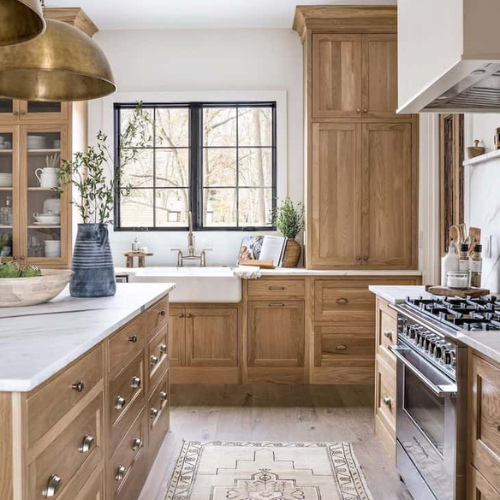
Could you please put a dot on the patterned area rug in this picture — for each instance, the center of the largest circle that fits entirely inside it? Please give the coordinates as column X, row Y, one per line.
column 238, row 470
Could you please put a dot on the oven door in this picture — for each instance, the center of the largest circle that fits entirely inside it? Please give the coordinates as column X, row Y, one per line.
column 426, row 422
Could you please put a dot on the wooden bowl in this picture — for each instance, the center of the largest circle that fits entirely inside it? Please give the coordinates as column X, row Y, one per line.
column 19, row 292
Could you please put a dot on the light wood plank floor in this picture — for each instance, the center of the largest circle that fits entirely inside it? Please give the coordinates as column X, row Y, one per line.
column 276, row 413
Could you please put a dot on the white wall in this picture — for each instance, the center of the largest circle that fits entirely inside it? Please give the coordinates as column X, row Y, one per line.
column 482, row 204
column 201, row 63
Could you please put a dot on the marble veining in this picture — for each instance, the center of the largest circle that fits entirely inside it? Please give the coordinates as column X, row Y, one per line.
column 38, row 341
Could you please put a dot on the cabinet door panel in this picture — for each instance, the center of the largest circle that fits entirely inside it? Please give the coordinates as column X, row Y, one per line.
column 177, row 337
column 276, row 333
column 388, row 191
column 335, row 222
column 211, row 337
column 380, row 76
column 336, row 76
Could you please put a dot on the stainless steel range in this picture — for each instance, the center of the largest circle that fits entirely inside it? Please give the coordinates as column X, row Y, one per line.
column 431, row 421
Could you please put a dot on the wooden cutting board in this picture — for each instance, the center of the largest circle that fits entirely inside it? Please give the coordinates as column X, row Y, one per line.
column 453, row 292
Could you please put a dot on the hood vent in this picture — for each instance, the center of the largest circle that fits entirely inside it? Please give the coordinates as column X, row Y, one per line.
column 480, row 91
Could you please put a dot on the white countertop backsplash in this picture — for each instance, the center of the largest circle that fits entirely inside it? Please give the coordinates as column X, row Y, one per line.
column 487, row 343
column 36, row 342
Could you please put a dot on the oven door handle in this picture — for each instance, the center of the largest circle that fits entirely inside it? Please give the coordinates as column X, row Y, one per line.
column 439, row 390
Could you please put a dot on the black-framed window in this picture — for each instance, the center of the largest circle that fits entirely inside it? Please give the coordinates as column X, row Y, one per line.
column 217, row 160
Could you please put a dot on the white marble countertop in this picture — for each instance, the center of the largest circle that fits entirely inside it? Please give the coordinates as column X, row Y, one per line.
column 217, row 271
column 487, row 343
column 36, row 342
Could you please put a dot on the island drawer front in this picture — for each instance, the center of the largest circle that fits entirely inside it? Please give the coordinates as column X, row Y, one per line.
column 479, row 488
column 126, row 343
column 279, row 288
column 128, row 453
column 92, row 489
column 387, row 332
column 157, row 360
column 125, row 388
column 46, row 406
column 340, row 301
column 72, row 456
column 159, row 417
column 385, row 396
column 485, row 435
column 157, row 316
column 334, row 343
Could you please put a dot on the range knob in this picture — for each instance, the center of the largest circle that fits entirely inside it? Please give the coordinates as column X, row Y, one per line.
column 438, row 350
column 429, row 343
column 420, row 338
column 412, row 332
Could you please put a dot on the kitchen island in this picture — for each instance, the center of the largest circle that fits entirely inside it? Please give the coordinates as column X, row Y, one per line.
column 83, row 394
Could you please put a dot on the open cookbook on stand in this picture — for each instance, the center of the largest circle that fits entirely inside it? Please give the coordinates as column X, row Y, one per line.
column 267, row 251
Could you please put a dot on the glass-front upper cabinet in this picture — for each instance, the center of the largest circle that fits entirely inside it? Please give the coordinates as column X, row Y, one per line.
column 9, row 194
column 33, row 111
column 46, row 234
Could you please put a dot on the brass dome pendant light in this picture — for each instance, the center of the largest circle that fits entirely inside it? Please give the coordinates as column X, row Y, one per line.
column 21, row 20
column 63, row 64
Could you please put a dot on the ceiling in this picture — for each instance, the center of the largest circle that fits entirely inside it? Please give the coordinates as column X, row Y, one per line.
column 195, row 14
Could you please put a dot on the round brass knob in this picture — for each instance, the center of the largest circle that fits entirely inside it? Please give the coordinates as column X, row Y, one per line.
column 181, row 315
column 388, row 334
column 365, row 257
column 387, row 401
column 365, row 110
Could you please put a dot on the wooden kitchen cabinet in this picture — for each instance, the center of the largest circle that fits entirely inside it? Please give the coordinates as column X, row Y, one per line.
column 478, row 487
column 484, row 377
column 211, row 337
column 177, row 336
column 336, row 198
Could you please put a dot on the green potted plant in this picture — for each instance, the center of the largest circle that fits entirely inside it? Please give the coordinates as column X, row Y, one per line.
column 96, row 184
column 289, row 220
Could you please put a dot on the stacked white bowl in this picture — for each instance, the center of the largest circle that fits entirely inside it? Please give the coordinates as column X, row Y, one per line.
column 52, row 248
column 5, row 179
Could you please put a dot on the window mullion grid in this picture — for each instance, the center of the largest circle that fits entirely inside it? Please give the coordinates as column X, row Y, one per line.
column 196, row 168
column 237, row 168
column 154, row 166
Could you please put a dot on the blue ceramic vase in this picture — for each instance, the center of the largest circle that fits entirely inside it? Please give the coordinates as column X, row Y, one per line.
column 93, row 269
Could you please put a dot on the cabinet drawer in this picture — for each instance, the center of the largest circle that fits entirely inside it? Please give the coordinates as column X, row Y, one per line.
column 485, row 404
column 159, row 417
column 276, row 288
column 157, row 316
column 387, row 333
column 385, row 394
column 479, row 488
column 127, row 454
column 341, row 301
column 76, row 451
column 92, row 489
column 157, row 360
column 125, row 344
column 49, row 404
column 126, row 398
column 334, row 344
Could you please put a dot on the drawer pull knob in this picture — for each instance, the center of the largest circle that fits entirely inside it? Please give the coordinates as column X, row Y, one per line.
column 154, row 412
column 53, row 485
column 87, row 444
column 276, row 304
column 387, row 401
column 358, row 110
column 181, row 315
column 388, row 334
column 341, row 347
column 153, row 360
column 342, row 301
column 136, row 382
column 162, row 313
column 120, row 403
column 358, row 257
column 120, row 472
column 78, row 386
column 137, row 444
column 163, row 348
column 163, row 396
column 189, row 315
column 271, row 288
column 133, row 339
column 365, row 257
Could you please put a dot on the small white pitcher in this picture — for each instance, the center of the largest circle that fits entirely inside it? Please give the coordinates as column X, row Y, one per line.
column 47, row 177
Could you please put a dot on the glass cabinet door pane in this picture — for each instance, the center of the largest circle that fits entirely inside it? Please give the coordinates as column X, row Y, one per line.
column 6, row 106
column 44, row 201
column 6, row 195
column 44, row 107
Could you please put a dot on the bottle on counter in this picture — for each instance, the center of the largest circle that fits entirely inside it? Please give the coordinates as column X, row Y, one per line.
column 463, row 263
column 136, row 245
column 450, row 262
column 476, row 266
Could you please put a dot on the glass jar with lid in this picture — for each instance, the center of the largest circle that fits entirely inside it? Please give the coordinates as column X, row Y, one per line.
column 458, row 279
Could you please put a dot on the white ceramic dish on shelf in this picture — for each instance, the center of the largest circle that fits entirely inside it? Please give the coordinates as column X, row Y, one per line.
column 48, row 218
column 18, row 292
column 5, row 179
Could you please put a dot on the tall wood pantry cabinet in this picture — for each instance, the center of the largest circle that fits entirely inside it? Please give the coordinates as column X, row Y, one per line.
column 361, row 157
column 34, row 138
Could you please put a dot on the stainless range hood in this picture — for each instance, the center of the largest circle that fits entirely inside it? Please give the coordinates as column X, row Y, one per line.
column 449, row 56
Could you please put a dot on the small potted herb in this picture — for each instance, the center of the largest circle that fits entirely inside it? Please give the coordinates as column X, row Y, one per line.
column 289, row 220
